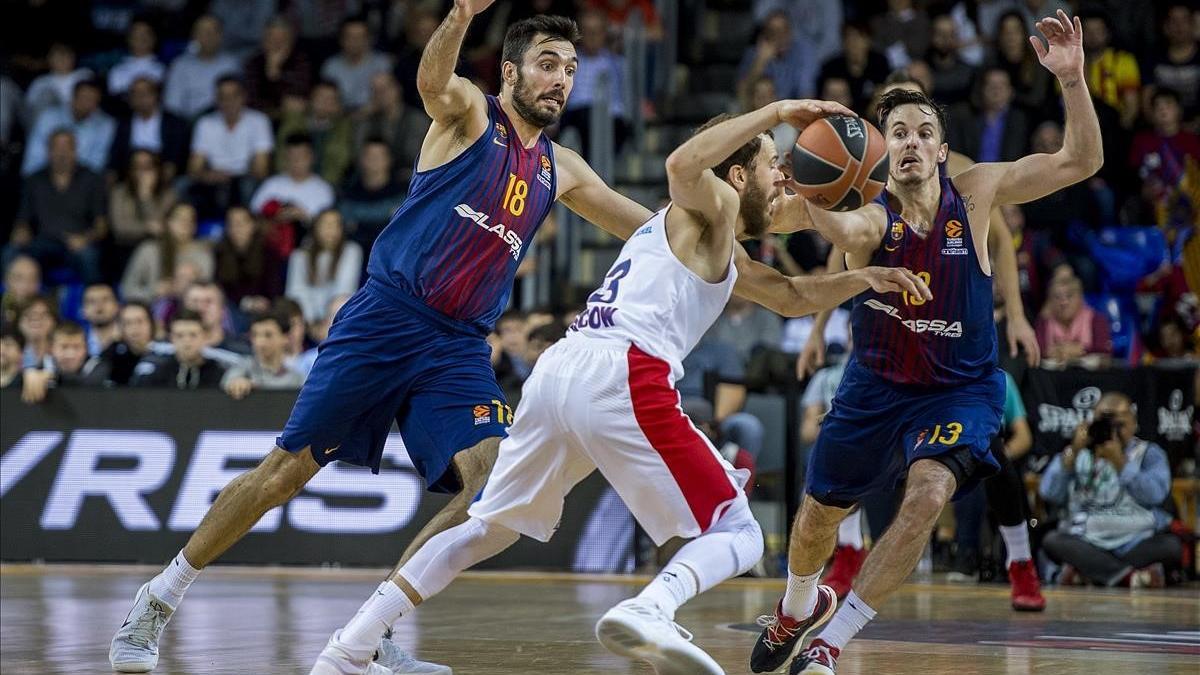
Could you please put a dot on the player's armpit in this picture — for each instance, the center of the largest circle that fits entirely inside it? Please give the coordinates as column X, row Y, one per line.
column 585, row 193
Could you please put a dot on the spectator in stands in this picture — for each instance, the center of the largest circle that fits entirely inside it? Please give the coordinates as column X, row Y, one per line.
column 991, row 130
column 231, row 150
column 747, row 327
column 92, row 130
column 1175, row 344
column 356, row 65
column 1038, row 261
column 1112, row 73
column 858, row 64
column 243, row 23
column 779, row 55
column 297, row 194
column 818, row 395
column 836, row 89
column 12, row 344
column 187, row 368
column 22, row 281
column 301, row 360
column 325, row 266
column 1068, row 329
column 148, row 127
column 952, row 77
column 139, row 63
column 597, row 63
column 138, row 205
column 154, row 262
column 388, row 118
column 114, row 366
column 297, row 326
column 370, row 199
column 761, row 92
column 36, row 319
column 266, row 368
column 1012, row 52
column 1162, row 157
column 65, row 366
column 541, row 337
column 1176, row 63
column 1112, row 486
column 100, row 310
column 817, row 22
column 62, row 213
column 902, row 32
column 192, row 80
column 248, row 271
column 720, row 360
column 331, row 132
column 55, row 89
column 208, row 302
column 279, row 76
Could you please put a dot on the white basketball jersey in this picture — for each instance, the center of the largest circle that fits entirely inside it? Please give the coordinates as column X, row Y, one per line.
column 649, row 298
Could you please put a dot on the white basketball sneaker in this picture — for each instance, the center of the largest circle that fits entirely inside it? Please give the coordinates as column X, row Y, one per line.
column 638, row 629
column 336, row 660
column 400, row 662
column 134, row 648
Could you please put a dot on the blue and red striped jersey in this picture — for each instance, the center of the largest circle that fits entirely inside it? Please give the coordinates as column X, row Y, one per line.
column 456, row 241
column 948, row 340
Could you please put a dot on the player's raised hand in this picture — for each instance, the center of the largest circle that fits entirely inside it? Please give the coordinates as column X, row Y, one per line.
column 1063, row 53
column 803, row 112
column 896, row 280
column 472, row 7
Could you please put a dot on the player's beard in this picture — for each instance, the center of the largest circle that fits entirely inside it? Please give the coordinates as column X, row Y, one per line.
column 526, row 101
column 753, row 210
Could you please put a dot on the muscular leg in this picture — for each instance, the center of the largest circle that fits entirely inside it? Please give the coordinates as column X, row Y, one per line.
column 813, row 537
column 276, row 479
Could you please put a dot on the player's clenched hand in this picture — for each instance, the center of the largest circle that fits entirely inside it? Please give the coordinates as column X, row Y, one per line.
column 896, row 280
column 1063, row 53
column 803, row 112
column 789, row 212
column 472, row 7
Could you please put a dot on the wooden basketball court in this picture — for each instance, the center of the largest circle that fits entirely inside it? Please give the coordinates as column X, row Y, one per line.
column 59, row 619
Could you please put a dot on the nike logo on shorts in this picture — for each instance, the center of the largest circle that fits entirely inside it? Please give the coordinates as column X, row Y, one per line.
column 333, row 449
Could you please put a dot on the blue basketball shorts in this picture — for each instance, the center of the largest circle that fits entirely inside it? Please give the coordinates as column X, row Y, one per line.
column 876, row 429
column 387, row 358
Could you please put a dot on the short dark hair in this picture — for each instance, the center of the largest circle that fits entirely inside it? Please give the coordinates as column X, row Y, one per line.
column 550, row 332
column 67, row 328
column 1165, row 92
column 41, row 299
column 328, row 84
column 10, row 332
column 138, row 304
column 87, row 82
column 520, row 34
column 185, row 315
column 901, row 76
column 230, row 79
column 352, row 20
column 744, row 156
column 288, row 307
column 281, row 321
column 298, row 138
column 898, row 97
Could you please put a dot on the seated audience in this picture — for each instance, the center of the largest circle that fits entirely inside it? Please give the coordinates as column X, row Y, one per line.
column 149, row 127
column 371, row 198
column 68, row 356
column 297, row 194
column 401, row 126
column 54, row 89
column 36, row 319
column 192, row 79
column 187, row 368
column 114, row 366
column 266, row 368
column 231, row 151
column 22, row 281
column 90, row 126
column 100, row 310
column 138, row 205
column 297, row 333
column 279, row 76
column 208, row 302
column 249, row 272
column 1068, row 329
column 329, row 129
column 354, row 66
column 326, row 265
column 154, row 262
column 139, row 63
column 1112, row 486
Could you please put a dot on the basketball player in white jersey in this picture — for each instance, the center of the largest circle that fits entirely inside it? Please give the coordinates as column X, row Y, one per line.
column 604, row 398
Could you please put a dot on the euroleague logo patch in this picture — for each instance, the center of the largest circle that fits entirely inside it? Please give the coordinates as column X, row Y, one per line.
column 544, row 176
column 482, row 413
column 954, row 239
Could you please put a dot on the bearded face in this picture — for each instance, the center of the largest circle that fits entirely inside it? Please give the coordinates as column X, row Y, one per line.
column 540, row 108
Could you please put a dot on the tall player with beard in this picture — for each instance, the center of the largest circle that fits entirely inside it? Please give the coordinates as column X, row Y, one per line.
column 410, row 346
column 604, row 398
column 922, row 394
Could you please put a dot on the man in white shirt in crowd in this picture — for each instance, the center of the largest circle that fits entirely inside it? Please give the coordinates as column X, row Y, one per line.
column 298, row 194
column 140, row 62
column 192, row 79
column 353, row 68
column 54, row 89
column 231, row 150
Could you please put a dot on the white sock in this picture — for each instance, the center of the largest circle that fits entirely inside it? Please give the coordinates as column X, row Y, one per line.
column 1016, row 542
column 850, row 531
column 385, row 606
column 851, row 617
column 801, row 596
column 674, row 585
column 171, row 583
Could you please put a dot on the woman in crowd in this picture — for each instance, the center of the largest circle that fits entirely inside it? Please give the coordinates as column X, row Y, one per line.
column 138, row 205
column 249, row 271
column 325, row 266
column 154, row 262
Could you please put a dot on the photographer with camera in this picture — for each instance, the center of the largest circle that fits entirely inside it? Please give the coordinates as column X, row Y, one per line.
column 1113, row 485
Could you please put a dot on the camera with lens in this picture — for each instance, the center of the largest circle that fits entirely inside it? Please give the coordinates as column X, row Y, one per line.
column 1101, row 430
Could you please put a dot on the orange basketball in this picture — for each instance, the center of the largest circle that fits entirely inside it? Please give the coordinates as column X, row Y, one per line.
column 840, row 163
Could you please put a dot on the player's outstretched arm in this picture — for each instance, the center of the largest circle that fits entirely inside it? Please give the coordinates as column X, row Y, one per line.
column 451, row 100
column 798, row 296
column 1035, row 176
column 585, row 193
column 855, row 232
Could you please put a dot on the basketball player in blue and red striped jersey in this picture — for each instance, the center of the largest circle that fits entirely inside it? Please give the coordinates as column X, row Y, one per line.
column 410, row 346
column 922, row 395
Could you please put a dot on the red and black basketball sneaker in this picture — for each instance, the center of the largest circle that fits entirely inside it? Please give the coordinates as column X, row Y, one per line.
column 847, row 561
column 818, row 659
column 1026, row 589
column 782, row 634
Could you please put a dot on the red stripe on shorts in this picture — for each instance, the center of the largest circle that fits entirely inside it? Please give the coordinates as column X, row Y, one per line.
column 691, row 461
